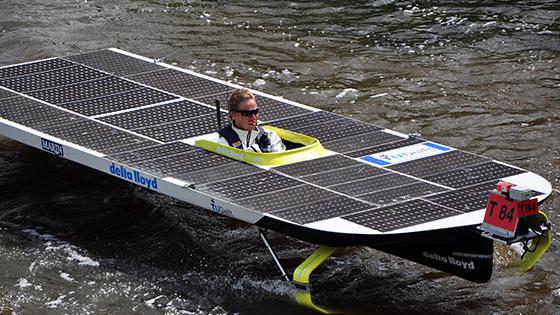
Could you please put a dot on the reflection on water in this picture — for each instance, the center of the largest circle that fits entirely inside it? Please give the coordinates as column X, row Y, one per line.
column 481, row 76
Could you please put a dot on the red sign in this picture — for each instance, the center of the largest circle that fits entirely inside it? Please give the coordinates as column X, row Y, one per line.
column 527, row 208
column 501, row 213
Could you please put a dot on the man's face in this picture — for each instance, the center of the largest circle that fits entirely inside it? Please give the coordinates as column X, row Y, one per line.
column 246, row 122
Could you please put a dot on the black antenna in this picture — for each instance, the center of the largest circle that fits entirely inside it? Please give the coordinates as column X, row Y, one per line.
column 218, row 114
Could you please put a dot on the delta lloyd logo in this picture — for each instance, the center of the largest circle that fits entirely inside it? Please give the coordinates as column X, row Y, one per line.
column 133, row 176
column 52, row 147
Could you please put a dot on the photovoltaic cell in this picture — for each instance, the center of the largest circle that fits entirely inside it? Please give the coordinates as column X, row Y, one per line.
column 250, row 185
column 322, row 210
column 219, row 173
column 337, row 129
column 287, row 198
column 153, row 152
column 157, row 115
column 465, row 199
column 120, row 101
column 33, row 67
column 6, row 94
column 438, row 163
column 174, row 165
column 182, row 129
column 84, row 90
column 114, row 63
column 403, row 193
column 34, row 114
column 373, row 184
column 474, row 174
column 295, row 123
column 181, row 83
column 401, row 215
column 317, row 165
column 384, row 147
column 53, row 78
column 343, row 175
column 87, row 134
column 129, row 147
column 361, row 141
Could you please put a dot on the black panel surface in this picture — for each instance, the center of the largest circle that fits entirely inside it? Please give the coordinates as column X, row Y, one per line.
column 33, row 67
column 337, row 129
column 250, row 185
column 181, row 83
column 34, row 114
column 438, row 163
column 157, row 115
column 286, row 198
column 401, row 215
column 317, row 165
column 465, row 199
column 219, row 173
column 120, row 101
column 403, row 193
column 474, row 174
column 129, row 147
column 372, row 184
column 87, row 133
column 342, row 175
column 53, row 78
column 153, row 152
column 361, row 141
column 115, row 63
column 6, row 94
column 182, row 129
column 302, row 121
column 384, row 147
column 177, row 164
column 322, row 210
column 85, row 90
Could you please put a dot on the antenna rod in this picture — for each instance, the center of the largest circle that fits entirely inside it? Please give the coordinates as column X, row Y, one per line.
column 218, row 114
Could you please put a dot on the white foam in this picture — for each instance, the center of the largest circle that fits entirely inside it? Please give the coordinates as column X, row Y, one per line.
column 66, row 276
column 23, row 283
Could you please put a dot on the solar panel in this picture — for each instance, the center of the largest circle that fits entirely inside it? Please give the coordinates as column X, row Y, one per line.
column 114, row 63
column 33, row 67
column 53, row 78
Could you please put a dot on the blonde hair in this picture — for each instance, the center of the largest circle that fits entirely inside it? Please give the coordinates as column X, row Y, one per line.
column 237, row 97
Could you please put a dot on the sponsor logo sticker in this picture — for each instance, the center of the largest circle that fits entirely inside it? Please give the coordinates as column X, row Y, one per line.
column 133, row 176
column 52, row 147
column 405, row 154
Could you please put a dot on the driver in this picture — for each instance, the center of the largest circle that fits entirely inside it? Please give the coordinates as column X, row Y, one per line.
column 243, row 132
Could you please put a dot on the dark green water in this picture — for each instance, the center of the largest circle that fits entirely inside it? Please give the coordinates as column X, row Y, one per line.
column 483, row 76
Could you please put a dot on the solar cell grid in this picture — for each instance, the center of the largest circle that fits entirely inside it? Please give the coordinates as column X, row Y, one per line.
column 343, row 175
column 465, row 199
column 401, row 215
column 153, row 152
column 181, row 83
column 120, row 101
column 316, row 165
column 164, row 113
column 182, row 129
column 250, row 185
column 52, row 78
column 474, row 174
column 115, row 63
column 403, row 193
column 383, row 147
column 86, row 133
column 322, row 210
column 295, row 123
column 218, row 173
column 33, row 67
column 34, row 114
column 337, row 129
column 372, row 184
column 6, row 94
column 438, row 163
column 178, row 164
column 295, row 196
column 361, row 141
column 84, row 90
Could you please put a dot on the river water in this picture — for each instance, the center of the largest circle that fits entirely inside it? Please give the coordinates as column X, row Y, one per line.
column 483, row 76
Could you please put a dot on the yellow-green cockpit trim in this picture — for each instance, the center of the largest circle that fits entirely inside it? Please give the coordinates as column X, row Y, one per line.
column 311, row 149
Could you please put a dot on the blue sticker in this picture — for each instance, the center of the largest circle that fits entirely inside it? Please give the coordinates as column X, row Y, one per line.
column 52, row 147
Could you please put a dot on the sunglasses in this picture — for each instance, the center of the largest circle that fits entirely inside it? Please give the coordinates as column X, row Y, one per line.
column 248, row 113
